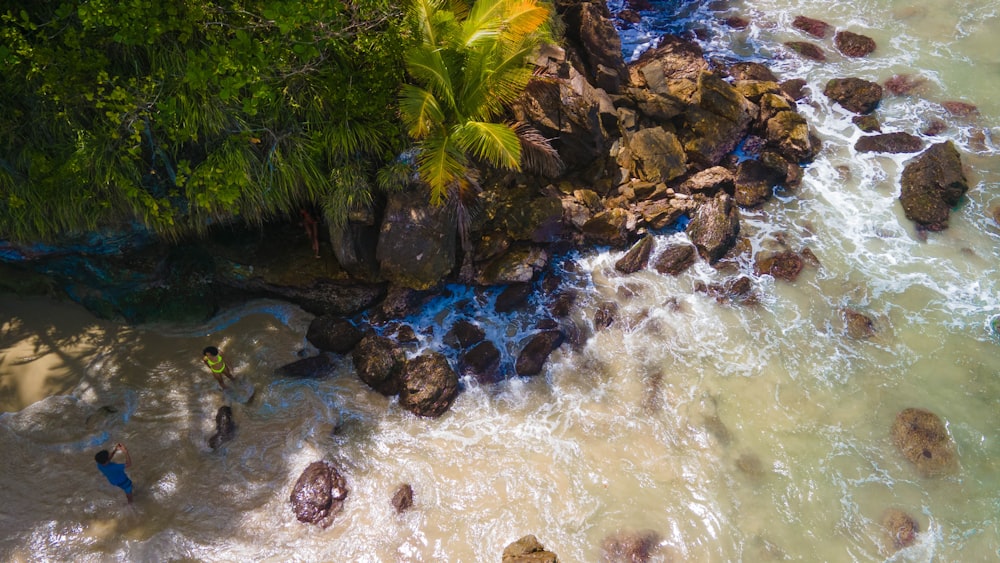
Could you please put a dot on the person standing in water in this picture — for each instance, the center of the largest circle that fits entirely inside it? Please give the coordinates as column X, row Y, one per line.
column 312, row 230
column 115, row 472
column 213, row 359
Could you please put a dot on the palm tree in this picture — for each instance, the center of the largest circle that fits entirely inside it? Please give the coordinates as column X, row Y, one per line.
column 468, row 67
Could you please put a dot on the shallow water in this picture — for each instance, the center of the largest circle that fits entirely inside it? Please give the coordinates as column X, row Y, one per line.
column 734, row 432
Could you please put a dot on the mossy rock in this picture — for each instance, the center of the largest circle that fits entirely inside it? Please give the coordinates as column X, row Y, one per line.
column 923, row 439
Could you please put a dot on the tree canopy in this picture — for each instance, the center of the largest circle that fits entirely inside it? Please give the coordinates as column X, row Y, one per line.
column 177, row 115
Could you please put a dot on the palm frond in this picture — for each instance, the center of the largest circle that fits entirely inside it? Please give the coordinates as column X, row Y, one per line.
column 441, row 163
column 495, row 143
column 537, row 153
column 419, row 110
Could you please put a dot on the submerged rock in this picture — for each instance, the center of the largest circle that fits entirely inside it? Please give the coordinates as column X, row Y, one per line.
column 859, row 326
column 319, row 494
column 225, row 428
column 817, row 28
column 808, row 50
column 785, row 265
column 629, row 547
column 333, row 334
column 528, row 550
column 923, row 439
column 900, row 528
column 316, row 367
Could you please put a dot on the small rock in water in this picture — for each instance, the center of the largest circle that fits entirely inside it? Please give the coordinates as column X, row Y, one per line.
column 902, row 84
column 403, row 499
column 812, row 26
column 630, row 547
column 901, row 528
column 960, row 109
column 807, row 50
column 319, row 494
column 853, row 44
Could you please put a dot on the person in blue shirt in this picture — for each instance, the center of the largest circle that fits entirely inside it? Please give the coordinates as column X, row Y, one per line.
column 115, row 472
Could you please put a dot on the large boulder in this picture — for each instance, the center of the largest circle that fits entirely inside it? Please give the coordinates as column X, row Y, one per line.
column 379, row 362
column 528, row 550
column 532, row 358
column 429, row 385
column 933, row 183
column 788, row 132
column 715, row 122
column 854, row 94
column 923, row 439
column 225, row 428
column 315, row 367
column 673, row 59
column 416, row 246
column 319, row 494
column 715, row 227
column 564, row 106
column 333, row 334
column 654, row 154
column 609, row 227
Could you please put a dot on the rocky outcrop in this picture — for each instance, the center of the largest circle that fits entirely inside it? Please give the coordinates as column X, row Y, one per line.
column 316, row 367
column 715, row 227
column 923, row 439
column 333, row 334
column 379, row 362
column 528, row 550
column 416, row 246
column 225, row 428
column 654, row 155
column 319, row 494
column 534, row 354
column 933, row 183
column 854, row 94
column 590, row 30
column 429, row 385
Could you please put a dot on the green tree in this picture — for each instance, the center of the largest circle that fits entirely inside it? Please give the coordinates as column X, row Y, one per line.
column 180, row 115
column 468, row 65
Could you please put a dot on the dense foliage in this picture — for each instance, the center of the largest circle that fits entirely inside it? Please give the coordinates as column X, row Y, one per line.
column 177, row 115
column 468, row 66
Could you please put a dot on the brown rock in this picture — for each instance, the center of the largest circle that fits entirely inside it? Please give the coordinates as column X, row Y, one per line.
column 319, row 494
column 637, row 256
column 333, row 334
column 751, row 71
column 807, row 50
column 605, row 314
column 675, row 259
column 795, row 88
column 933, row 183
column 785, row 265
column 379, row 362
column 755, row 183
column 854, row 94
column 960, row 109
column 629, row 547
column 609, row 227
column 902, row 84
column 867, row 123
column 894, row 143
column 900, row 528
column 464, row 334
column 737, row 22
column 402, row 500
column 528, row 550
column 817, row 28
column 709, row 182
column 715, row 227
column 923, row 439
column 853, row 44
column 533, row 356
column 482, row 361
column 429, row 385
column 859, row 326
column 512, row 297
column 788, row 132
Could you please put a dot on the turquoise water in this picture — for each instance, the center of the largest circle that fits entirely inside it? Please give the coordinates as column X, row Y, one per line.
column 732, row 432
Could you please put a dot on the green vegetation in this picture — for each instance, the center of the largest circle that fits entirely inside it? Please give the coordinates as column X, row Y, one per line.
column 469, row 66
column 180, row 115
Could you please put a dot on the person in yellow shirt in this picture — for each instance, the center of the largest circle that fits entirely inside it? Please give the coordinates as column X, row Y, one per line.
column 213, row 359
